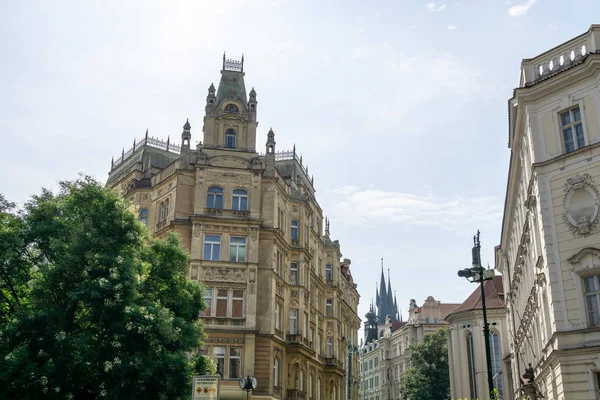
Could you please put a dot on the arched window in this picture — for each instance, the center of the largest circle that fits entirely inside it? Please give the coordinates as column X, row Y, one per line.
column 239, row 200
column 276, row 373
column 471, row 365
column 214, row 197
column 496, row 362
column 231, row 108
column 294, row 232
column 143, row 217
column 230, row 139
column 301, row 381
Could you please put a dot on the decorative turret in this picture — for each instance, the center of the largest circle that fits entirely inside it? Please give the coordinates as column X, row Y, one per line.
column 186, row 137
column 252, row 102
column 211, row 98
column 270, row 154
column 370, row 326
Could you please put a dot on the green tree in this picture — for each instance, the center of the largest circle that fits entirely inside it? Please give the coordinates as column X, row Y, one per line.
column 429, row 377
column 90, row 306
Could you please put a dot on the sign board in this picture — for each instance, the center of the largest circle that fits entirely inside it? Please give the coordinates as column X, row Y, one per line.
column 205, row 387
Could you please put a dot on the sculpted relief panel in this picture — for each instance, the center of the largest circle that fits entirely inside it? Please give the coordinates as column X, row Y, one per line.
column 581, row 205
column 223, row 274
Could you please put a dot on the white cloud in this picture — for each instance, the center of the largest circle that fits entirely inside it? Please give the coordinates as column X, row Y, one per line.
column 521, row 9
column 431, row 7
column 451, row 27
column 360, row 52
column 357, row 206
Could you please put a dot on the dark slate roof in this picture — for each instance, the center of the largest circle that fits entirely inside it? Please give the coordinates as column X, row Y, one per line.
column 232, row 86
column 494, row 297
column 157, row 158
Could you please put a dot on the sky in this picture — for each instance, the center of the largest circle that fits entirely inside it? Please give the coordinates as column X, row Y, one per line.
column 398, row 107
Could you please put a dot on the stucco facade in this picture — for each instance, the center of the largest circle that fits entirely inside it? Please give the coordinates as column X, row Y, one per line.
column 549, row 253
column 281, row 305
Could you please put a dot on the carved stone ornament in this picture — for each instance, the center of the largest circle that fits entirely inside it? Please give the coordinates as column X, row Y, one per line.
column 254, row 234
column 197, row 231
column 581, row 205
column 252, row 288
column 223, row 274
column 224, row 340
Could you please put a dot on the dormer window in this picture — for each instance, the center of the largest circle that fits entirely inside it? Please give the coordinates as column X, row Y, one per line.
column 231, row 108
column 230, row 139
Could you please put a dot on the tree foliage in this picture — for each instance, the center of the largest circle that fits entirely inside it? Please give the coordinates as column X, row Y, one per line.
column 429, row 376
column 90, row 306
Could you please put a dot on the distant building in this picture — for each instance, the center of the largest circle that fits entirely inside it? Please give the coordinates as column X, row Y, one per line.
column 281, row 302
column 549, row 249
column 386, row 303
column 466, row 345
column 381, row 379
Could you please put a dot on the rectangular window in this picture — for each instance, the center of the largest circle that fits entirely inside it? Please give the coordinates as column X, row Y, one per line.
column 219, row 358
column 235, row 362
column 329, row 349
column 237, row 304
column 208, row 294
column 572, row 129
column 329, row 308
column 328, row 272
column 239, row 200
column 237, row 249
column 277, row 316
column 279, row 264
column 294, row 233
column 212, row 247
column 293, row 321
column 222, row 297
column 592, row 291
column 304, row 324
column 427, row 320
column 294, row 274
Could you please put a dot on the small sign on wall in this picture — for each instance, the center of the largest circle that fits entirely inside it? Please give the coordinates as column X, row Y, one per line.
column 205, row 387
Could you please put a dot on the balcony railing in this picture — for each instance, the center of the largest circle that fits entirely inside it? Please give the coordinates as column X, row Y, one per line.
column 294, row 338
column 219, row 212
column 277, row 391
column 331, row 362
column 161, row 224
column 295, row 394
column 278, row 333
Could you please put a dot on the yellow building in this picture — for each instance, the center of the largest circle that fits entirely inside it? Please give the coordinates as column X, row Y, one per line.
column 550, row 245
column 281, row 305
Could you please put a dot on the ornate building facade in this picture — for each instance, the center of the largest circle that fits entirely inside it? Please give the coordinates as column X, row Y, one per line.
column 281, row 306
column 466, row 345
column 549, row 251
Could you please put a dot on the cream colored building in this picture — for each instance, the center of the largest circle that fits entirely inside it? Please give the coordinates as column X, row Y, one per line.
column 281, row 305
column 466, row 345
column 549, row 253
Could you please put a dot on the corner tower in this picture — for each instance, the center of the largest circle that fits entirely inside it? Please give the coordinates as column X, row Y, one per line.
column 230, row 119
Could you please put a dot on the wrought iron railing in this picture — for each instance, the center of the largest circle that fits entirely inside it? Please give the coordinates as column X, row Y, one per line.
column 219, row 212
column 146, row 141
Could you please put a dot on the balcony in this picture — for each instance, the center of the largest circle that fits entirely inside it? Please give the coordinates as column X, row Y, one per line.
column 219, row 212
column 295, row 394
column 279, row 333
column 161, row 224
column 296, row 243
column 294, row 338
column 331, row 362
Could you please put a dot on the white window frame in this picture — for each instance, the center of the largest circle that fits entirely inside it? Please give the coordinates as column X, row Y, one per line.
column 329, row 308
column 277, row 316
column 241, row 366
column 295, row 226
column 329, row 347
column 224, row 357
column 234, row 135
column 226, row 298
column 243, row 300
column 208, row 295
column 238, row 246
column 294, row 275
column 328, row 272
column 236, row 199
column 572, row 124
column 293, row 321
column 595, row 293
column 211, row 242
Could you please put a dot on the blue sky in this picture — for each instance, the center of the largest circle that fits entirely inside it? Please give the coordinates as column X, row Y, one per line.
column 398, row 107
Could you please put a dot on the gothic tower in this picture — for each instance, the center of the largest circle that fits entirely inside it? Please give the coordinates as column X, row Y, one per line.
column 385, row 300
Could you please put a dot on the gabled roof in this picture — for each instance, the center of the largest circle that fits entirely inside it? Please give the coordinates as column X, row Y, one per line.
column 494, row 297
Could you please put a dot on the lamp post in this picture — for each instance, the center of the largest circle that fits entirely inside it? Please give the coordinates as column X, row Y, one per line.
column 478, row 274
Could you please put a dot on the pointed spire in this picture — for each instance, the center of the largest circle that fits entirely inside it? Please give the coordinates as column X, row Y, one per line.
column 187, row 125
column 146, row 137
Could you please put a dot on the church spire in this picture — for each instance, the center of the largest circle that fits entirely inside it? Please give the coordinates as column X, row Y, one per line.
column 381, row 303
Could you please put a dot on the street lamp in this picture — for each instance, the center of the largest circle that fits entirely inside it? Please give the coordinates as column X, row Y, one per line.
column 478, row 274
